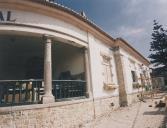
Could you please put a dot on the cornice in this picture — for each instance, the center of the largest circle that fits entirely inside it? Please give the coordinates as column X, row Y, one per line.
column 132, row 51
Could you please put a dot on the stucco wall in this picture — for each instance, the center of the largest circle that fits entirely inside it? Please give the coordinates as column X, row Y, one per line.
column 35, row 19
column 132, row 63
column 97, row 48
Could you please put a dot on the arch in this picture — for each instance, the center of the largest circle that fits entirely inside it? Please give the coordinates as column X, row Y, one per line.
column 30, row 30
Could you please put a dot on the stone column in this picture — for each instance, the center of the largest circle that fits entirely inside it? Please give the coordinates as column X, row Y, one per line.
column 48, row 96
column 87, row 74
column 121, row 78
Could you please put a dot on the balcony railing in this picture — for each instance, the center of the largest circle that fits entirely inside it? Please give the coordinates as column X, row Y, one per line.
column 22, row 92
column 63, row 89
column 19, row 92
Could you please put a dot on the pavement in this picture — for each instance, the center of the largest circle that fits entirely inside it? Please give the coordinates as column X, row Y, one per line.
column 138, row 115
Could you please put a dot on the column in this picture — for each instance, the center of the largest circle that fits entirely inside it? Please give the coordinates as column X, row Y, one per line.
column 48, row 96
column 121, row 76
column 87, row 74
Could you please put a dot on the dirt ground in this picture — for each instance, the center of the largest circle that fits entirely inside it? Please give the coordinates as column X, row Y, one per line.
column 138, row 115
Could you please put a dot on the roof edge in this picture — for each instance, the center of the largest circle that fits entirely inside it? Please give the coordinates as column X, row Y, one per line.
column 74, row 13
column 86, row 20
column 131, row 47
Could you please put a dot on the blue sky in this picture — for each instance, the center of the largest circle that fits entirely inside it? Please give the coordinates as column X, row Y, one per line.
column 129, row 19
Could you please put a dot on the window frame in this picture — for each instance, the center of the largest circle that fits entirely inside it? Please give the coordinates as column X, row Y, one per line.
column 134, row 76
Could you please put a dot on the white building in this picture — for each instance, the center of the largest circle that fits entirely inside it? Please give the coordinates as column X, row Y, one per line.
column 63, row 66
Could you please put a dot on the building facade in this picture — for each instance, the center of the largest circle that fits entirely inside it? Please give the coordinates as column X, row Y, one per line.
column 58, row 69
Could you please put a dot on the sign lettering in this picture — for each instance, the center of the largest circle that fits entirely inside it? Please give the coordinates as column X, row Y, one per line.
column 7, row 18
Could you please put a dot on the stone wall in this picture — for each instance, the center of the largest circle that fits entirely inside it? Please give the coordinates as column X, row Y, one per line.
column 132, row 98
column 48, row 116
column 105, row 106
column 67, row 114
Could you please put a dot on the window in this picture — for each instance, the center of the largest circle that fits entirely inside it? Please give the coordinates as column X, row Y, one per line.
column 134, row 78
column 106, row 63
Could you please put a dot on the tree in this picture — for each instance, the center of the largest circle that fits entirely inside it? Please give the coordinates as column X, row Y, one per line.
column 159, row 49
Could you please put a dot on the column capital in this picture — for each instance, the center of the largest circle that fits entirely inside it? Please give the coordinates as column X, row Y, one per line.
column 115, row 48
column 85, row 49
column 47, row 38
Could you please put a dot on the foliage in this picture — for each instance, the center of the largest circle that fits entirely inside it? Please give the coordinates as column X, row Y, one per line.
column 159, row 48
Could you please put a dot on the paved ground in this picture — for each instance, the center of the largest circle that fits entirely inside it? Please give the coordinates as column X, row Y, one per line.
column 139, row 115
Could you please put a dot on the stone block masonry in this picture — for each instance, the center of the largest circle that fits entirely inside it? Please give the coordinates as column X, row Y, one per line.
column 105, row 106
column 67, row 114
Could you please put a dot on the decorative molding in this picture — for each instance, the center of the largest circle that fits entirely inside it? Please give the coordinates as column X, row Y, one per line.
column 107, row 55
column 109, row 87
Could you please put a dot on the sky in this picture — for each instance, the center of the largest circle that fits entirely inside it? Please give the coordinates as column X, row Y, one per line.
column 130, row 19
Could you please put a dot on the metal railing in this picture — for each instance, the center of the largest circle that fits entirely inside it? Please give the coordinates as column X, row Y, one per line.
column 63, row 89
column 24, row 92
column 20, row 92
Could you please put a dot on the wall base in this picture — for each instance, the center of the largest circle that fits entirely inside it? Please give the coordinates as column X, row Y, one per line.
column 68, row 114
column 132, row 98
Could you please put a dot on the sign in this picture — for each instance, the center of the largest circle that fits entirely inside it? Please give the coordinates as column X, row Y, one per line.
column 6, row 17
